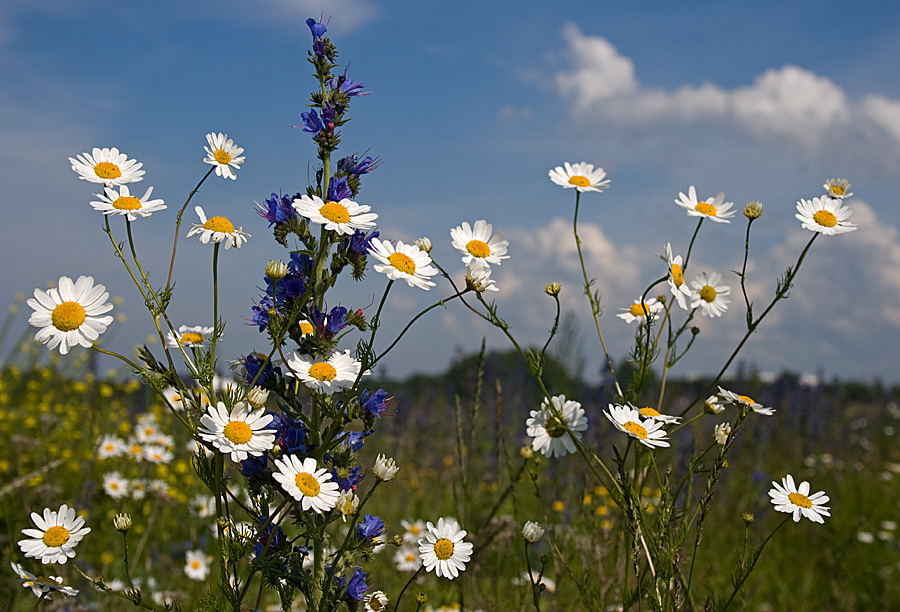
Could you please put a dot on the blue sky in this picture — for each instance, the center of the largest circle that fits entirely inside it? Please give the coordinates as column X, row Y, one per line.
column 473, row 103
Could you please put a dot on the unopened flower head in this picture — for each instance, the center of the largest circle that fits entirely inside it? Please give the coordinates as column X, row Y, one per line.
column 837, row 189
column 552, row 289
column 478, row 277
column 479, row 242
column 385, row 468
column 424, row 244
column 721, row 433
column 532, row 531
column 122, row 522
column 121, row 202
column 276, row 270
column 443, row 549
column 789, row 498
column 57, row 534
column 257, row 396
column 553, row 426
column 347, row 503
column 70, row 314
column 223, row 154
column 710, row 294
column 580, row 176
column 714, row 209
column 107, row 166
column 403, row 262
column 825, row 215
column 217, row 229
column 753, row 210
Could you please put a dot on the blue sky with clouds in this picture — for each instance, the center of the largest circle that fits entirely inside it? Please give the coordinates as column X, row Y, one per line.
column 473, row 103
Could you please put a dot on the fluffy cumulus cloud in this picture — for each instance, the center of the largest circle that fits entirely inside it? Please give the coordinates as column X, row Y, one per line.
column 788, row 102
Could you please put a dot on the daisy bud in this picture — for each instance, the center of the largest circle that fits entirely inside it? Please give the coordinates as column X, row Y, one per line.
column 747, row 517
column 122, row 522
column 276, row 270
column 532, row 531
column 721, row 433
column 526, row 452
column 385, row 468
column 552, row 289
column 753, row 210
column 421, row 598
column 424, row 244
column 257, row 397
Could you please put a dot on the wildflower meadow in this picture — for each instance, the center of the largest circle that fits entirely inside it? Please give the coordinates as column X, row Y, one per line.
column 299, row 477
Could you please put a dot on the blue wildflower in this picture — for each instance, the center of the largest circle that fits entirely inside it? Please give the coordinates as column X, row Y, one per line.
column 254, row 465
column 317, row 28
column 292, row 435
column 311, row 122
column 374, row 403
column 370, row 528
column 356, row 438
column 252, row 364
column 338, row 189
column 350, row 478
column 290, row 286
column 356, row 587
column 348, row 85
column 277, row 209
column 330, row 324
column 268, row 539
column 360, row 242
column 355, row 166
column 301, row 265
column 261, row 313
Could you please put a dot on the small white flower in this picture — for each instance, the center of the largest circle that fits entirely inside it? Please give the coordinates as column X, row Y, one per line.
column 42, row 586
column 444, row 550
column 552, row 429
column 721, row 433
column 57, row 534
column 677, row 286
column 710, row 294
column 197, row 336
column 744, row 401
column 114, row 485
column 714, row 209
column 837, row 189
column 257, row 396
column 656, row 416
column 197, row 565
column 825, row 215
column 628, row 419
column 347, row 503
column 638, row 311
column 478, row 277
column 217, row 229
column 123, row 203
column 241, row 433
column 307, row 483
column 532, row 531
column 344, row 217
column 789, row 498
column 110, row 446
column 385, row 468
column 327, row 376
column 407, row 558
column 376, row 601
column 478, row 243
column 403, row 262
column 107, row 166
column 223, row 154
column 69, row 315
column 413, row 530
column 581, row 177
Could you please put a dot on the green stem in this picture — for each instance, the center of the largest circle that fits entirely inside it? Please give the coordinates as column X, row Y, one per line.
column 406, row 586
column 745, row 575
column 178, row 224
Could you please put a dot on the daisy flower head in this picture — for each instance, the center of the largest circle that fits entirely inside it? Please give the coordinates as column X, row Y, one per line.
column 654, row 414
column 407, row 558
column 70, row 314
column 57, row 534
column 107, row 166
column 114, row 485
column 837, row 189
column 552, row 429
column 479, row 242
column 532, row 531
column 217, row 229
column 403, row 262
column 677, row 286
column 375, row 601
column 710, row 294
column 743, row 401
column 110, row 446
column 639, row 310
column 307, row 483
column 444, row 550
column 581, row 177
column 196, row 565
column 241, row 433
column 715, row 209
column 343, row 217
column 789, row 498
column 42, row 586
column 223, row 154
column 628, row 419
column 327, row 376
column 825, row 215
column 721, row 433
column 121, row 202
column 385, row 468
column 191, row 337
column 478, row 277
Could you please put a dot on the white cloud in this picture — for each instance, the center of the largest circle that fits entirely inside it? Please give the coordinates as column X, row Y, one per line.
column 788, row 102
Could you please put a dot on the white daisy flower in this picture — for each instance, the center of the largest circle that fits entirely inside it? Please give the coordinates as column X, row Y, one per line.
column 796, row 500
column 837, row 189
column 217, row 229
column 191, row 337
column 581, row 177
column 721, row 433
column 241, row 433
column 257, row 396
column 123, row 203
column 407, row 557
column 413, row 530
column 138, row 488
column 638, row 310
column 710, row 294
column 69, row 314
column 715, row 404
column 549, row 427
column 204, row 506
column 656, row 416
column 223, row 154
column 146, row 430
column 115, row 485
column 309, row 484
column 196, row 565
column 328, row 376
column 344, row 217
column 42, row 586
column 444, row 550
column 825, row 215
column 375, row 601
column 479, row 243
column 403, row 262
column 347, row 503
column 478, row 276
column 745, row 402
column 110, row 446
column 711, row 208
column 57, row 534
column 157, row 453
column 385, row 468
column 628, row 419
column 532, row 531
column 107, row 166
column 677, row 286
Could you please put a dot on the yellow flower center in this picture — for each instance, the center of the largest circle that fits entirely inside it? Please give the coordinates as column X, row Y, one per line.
column 136, row 449
column 410, row 557
column 335, row 212
column 677, row 275
column 238, row 432
column 109, row 448
column 107, row 170
column 323, row 371
column 192, row 338
column 837, row 190
column 196, row 564
column 114, row 486
column 555, row 426
column 746, row 399
column 306, row 328
column 650, row 412
column 414, row 529
column 402, row 262
column 127, row 203
column 222, row 157
column 307, row 484
column 68, row 316
column 825, row 218
column 443, row 549
column 706, row 208
column 635, row 429
column 639, row 310
column 219, row 224
column 477, row 248
column 55, row 536
column 707, row 294
column 579, row 181
column 799, row 499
